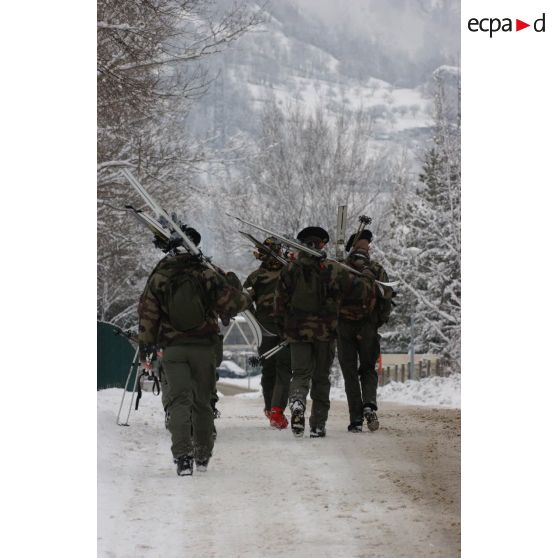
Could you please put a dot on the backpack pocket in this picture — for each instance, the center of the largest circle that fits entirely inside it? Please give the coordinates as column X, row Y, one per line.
column 185, row 307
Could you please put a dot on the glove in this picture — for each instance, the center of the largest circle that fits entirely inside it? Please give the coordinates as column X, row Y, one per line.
column 233, row 280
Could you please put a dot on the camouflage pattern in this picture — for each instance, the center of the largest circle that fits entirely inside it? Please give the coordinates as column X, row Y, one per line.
column 365, row 299
column 276, row 370
column 382, row 308
column 264, row 281
column 297, row 325
column 221, row 297
column 189, row 358
column 311, row 333
column 363, row 310
column 311, row 365
column 360, row 301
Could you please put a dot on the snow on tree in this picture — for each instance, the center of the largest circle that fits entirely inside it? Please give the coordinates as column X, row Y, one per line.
column 423, row 249
column 303, row 167
column 149, row 73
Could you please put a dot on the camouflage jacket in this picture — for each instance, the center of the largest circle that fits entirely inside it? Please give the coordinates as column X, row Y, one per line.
column 308, row 297
column 264, row 282
column 365, row 301
column 382, row 308
column 220, row 296
column 359, row 303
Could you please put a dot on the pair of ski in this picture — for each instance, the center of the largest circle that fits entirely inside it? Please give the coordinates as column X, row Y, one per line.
column 166, row 229
column 303, row 248
column 165, row 226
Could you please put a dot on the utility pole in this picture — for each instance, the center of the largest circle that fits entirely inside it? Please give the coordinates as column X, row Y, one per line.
column 412, row 349
column 341, row 232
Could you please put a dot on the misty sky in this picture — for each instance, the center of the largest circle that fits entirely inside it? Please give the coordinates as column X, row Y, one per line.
column 420, row 32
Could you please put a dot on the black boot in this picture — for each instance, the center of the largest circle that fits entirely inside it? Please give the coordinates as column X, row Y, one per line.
column 184, row 465
column 201, row 465
column 371, row 418
column 355, row 427
column 297, row 418
column 318, row 432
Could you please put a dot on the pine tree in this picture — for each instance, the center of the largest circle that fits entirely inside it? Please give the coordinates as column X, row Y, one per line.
column 424, row 244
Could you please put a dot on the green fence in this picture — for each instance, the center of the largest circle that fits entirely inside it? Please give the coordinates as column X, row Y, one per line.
column 115, row 354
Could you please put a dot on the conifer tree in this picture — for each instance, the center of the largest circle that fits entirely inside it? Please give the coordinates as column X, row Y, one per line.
column 424, row 245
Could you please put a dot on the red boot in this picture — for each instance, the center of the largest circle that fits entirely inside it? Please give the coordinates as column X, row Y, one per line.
column 278, row 419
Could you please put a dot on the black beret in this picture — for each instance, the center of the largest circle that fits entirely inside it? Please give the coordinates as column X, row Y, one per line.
column 192, row 234
column 364, row 235
column 313, row 232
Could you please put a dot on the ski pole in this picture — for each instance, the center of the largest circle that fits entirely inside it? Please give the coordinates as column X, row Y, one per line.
column 254, row 361
column 274, row 350
column 363, row 221
column 134, row 362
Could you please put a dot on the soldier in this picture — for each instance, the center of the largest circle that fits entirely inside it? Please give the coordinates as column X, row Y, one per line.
column 363, row 311
column 276, row 371
column 178, row 312
column 195, row 237
column 307, row 302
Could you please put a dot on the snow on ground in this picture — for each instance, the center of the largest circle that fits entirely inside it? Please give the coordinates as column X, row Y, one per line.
column 252, row 382
column 435, row 391
column 392, row 493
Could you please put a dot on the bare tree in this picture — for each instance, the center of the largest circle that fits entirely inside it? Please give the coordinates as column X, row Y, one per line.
column 150, row 55
column 305, row 166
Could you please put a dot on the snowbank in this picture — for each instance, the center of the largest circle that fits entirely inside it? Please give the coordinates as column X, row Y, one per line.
column 432, row 392
column 254, row 382
column 231, row 366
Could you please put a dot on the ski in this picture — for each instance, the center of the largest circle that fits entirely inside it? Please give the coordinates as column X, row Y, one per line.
column 154, row 226
column 264, row 248
column 257, row 329
column 297, row 245
column 169, row 221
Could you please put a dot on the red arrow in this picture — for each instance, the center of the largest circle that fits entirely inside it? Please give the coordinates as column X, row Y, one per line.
column 519, row 25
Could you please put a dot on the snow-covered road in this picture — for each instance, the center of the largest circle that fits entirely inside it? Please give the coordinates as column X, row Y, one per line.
column 392, row 493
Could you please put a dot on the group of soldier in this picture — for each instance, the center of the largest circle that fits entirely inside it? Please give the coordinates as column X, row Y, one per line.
column 311, row 303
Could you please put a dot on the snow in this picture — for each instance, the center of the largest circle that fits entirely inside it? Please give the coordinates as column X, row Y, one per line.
column 248, row 383
column 268, row 494
column 435, row 391
column 409, row 108
column 233, row 367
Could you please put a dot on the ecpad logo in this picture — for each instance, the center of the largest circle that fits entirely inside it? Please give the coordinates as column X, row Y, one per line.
column 494, row 24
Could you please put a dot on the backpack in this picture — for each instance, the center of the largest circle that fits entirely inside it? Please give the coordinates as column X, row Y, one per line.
column 184, row 301
column 383, row 302
column 383, row 306
column 308, row 295
column 362, row 295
